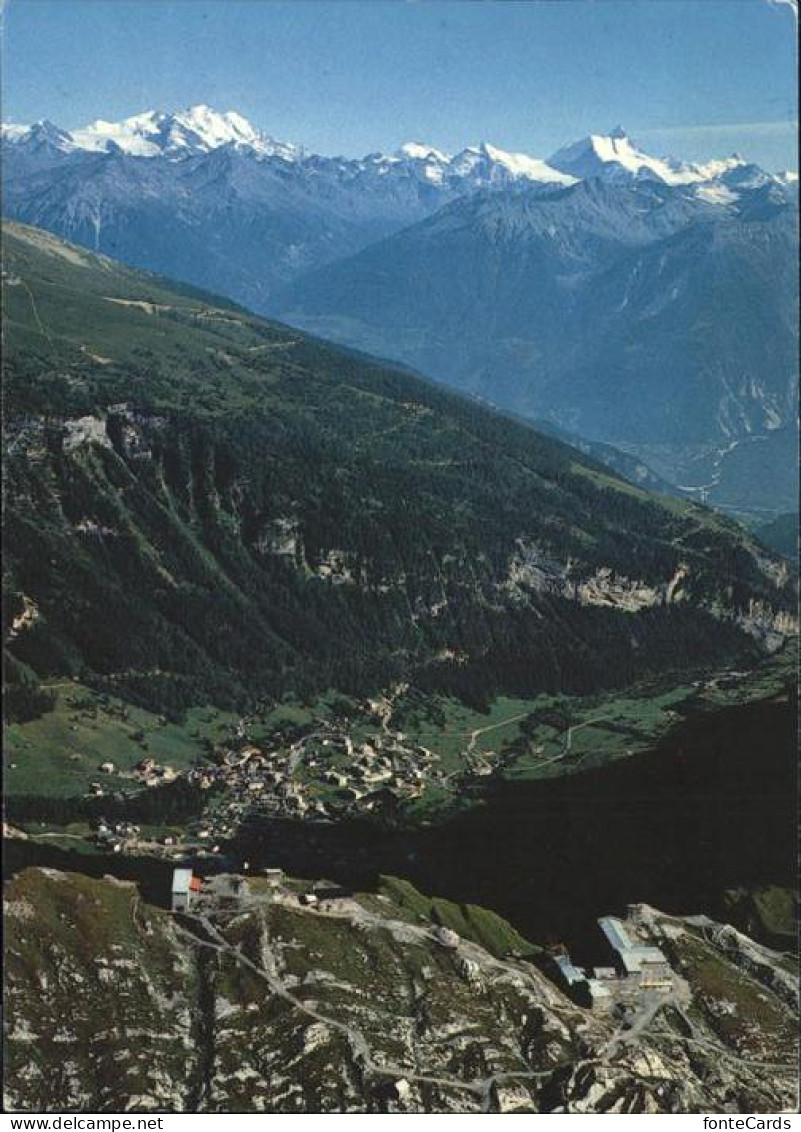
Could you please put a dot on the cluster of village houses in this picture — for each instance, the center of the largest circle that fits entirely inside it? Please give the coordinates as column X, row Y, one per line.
column 636, row 967
column 117, row 836
column 147, row 772
column 316, row 776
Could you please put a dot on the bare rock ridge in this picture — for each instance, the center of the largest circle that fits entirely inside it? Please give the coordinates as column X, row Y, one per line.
column 261, row 998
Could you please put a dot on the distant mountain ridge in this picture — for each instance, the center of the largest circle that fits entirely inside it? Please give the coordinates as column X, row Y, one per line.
column 208, row 198
column 649, row 316
column 201, row 129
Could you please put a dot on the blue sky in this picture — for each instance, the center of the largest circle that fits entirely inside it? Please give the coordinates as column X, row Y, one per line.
column 698, row 78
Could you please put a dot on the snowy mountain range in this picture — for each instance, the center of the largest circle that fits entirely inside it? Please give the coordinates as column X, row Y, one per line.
column 207, row 197
column 200, row 130
column 620, row 295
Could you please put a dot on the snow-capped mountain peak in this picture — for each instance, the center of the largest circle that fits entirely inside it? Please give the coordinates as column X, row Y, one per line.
column 43, row 132
column 616, row 155
column 520, row 165
column 416, row 151
column 602, row 154
column 487, row 165
column 197, row 129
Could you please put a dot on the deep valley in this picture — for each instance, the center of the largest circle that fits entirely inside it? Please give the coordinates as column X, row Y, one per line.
column 410, row 686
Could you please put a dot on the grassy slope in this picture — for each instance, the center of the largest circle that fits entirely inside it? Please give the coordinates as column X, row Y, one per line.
column 85, row 729
column 528, row 734
column 469, row 921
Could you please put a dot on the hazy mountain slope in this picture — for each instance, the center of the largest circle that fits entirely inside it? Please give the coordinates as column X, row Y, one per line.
column 488, row 288
column 226, row 220
column 622, row 463
column 689, row 318
column 638, row 314
column 202, row 505
column 781, row 534
column 357, row 1007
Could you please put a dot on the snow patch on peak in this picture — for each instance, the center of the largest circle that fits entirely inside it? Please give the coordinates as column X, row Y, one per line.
column 419, row 152
column 716, row 193
column 615, row 147
column 711, row 170
column 134, row 135
column 485, row 164
column 13, row 132
column 521, row 165
column 216, row 129
column 197, row 129
column 40, row 133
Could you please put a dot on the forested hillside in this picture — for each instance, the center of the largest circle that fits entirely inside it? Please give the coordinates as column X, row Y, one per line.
column 202, row 506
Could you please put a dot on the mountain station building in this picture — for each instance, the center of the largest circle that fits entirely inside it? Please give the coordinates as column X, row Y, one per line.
column 185, row 886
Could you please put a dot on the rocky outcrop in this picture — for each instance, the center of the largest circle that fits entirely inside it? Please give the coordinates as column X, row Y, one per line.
column 769, row 626
column 532, row 573
column 85, row 430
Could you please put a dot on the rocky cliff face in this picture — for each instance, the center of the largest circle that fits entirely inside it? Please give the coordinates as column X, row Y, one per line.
column 356, row 1004
column 532, row 573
